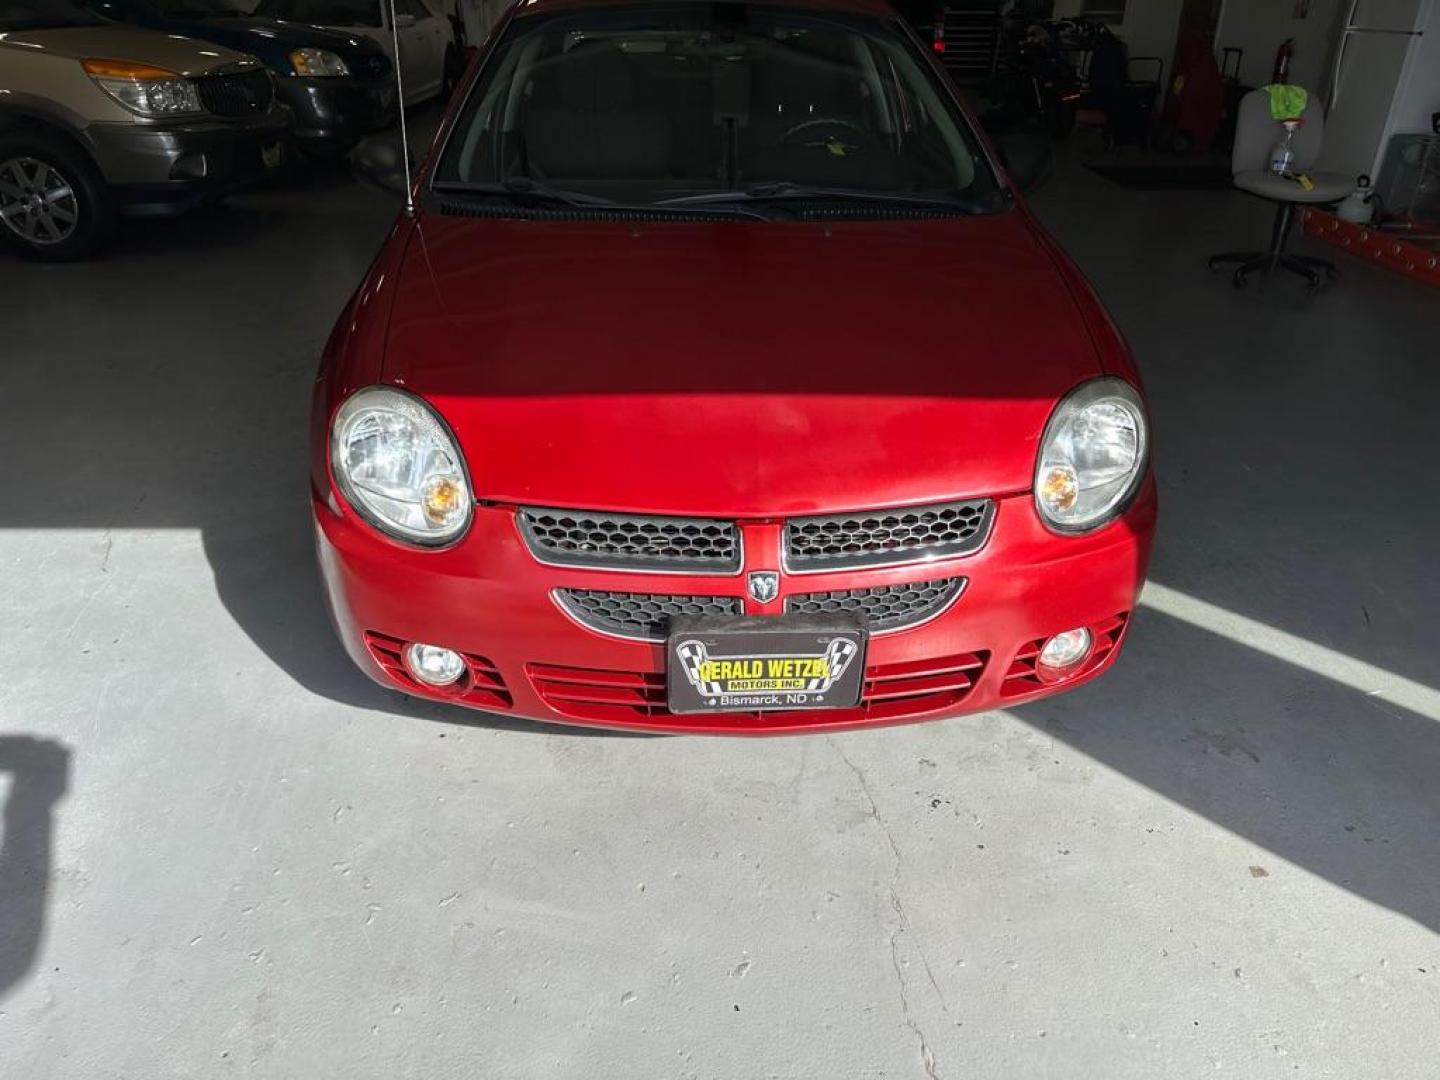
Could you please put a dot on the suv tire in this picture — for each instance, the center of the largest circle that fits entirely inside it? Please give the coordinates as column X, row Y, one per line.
column 54, row 204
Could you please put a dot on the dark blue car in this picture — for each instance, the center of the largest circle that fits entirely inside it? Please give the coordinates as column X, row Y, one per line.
column 339, row 86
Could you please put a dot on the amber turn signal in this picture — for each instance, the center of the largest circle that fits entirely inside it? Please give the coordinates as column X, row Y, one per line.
column 443, row 500
column 125, row 69
column 1059, row 488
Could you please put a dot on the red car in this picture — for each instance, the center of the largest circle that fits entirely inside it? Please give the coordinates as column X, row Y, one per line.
column 720, row 381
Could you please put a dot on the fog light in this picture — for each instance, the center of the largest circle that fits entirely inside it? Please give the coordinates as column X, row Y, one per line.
column 433, row 665
column 1065, row 650
column 189, row 167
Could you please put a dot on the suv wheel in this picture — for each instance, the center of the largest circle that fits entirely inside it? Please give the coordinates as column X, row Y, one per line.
column 53, row 201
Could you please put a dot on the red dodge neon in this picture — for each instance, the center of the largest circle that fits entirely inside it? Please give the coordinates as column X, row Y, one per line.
column 720, row 381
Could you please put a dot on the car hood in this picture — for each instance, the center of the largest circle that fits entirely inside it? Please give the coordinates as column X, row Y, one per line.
column 272, row 40
column 183, row 55
column 738, row 369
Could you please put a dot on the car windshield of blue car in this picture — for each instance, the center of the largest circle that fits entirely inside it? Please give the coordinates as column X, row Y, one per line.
column 713, row 105
column 324, row 12
column 201, row 9
column 18, row 15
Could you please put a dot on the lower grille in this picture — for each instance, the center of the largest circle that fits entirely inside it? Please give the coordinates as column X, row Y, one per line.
column 644, row 616
column 631, row 541
column 882, row 609
column 887, row 537
column 892, row 692
column 241, row 93
column 481, row 685
column 1022, row 678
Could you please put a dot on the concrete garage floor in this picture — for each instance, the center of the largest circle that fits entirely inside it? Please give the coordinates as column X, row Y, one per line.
column 226, row 853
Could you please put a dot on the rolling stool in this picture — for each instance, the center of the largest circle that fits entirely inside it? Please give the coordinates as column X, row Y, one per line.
column 1255, row 134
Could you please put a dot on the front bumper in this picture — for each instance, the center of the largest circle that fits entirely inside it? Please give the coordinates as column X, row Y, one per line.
column 175, row 165
column 332, row 114
column 489, row 598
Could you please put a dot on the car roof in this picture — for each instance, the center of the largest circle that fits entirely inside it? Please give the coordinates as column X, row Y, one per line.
column 855, row 7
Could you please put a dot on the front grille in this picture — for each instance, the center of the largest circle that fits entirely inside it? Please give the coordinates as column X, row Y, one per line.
column 887, row 537
column 237, row 94
column 892, row 693
column 482, row 685
column 640, row 615
column 631, row 541
column 887, row 607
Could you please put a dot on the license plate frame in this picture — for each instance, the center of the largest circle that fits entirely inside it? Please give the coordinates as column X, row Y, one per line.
column 764, row 663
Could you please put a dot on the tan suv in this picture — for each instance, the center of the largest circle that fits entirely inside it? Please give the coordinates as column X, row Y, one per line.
column 98, row 118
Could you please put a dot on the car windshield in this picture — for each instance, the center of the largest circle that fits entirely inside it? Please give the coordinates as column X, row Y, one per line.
column 44, row 15
column 178, row 9
column 324, row 12
column 713, row 103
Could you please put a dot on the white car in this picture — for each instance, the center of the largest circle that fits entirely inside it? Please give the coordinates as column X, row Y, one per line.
column 430, row 59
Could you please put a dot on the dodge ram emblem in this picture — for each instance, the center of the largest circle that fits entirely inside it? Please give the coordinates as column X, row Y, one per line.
column 764, row 586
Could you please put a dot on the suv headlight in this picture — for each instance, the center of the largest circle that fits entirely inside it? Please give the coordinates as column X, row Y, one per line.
column 143, row 88
column 314, row 62
column 1092, row 456
column 398, row 466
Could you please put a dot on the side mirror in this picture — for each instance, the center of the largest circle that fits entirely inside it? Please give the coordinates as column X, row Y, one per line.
column 1028, row 156
column 379, row 161
column 404, row 19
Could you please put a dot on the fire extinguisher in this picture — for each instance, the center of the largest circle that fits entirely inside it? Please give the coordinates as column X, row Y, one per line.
column 1283, row 56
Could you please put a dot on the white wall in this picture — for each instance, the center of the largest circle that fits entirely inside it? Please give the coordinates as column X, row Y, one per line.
column 1419, row 91
column 1259, row 26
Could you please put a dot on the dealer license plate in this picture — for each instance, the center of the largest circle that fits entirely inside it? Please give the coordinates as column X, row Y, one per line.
column 745, row 664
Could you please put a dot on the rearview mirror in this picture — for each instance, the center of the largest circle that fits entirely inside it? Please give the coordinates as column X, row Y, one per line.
column 1028, row 156
column 379, row 161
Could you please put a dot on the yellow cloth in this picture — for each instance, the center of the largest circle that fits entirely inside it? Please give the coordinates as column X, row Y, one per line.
column 1287, row 102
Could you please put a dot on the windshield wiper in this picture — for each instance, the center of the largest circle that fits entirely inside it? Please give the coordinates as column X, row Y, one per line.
column 785, row 189
column 526, row 188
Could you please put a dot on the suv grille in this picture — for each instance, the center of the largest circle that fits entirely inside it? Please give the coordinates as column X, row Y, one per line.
column 645, row 616
column 631, row 541
column 240, row 93
column 888, row 607
column 887, row 537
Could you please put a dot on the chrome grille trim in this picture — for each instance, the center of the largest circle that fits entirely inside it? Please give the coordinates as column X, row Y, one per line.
column 884, row 609
column 238, row 91
column 655, row 544
column 893, row 537
column 638, row 616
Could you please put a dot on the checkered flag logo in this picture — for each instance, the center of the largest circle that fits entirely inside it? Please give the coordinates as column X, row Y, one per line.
column 837, row 657
column 691, row 655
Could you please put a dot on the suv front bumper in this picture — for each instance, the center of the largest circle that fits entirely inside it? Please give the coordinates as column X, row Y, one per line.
column 162, row 167
column 333, row 114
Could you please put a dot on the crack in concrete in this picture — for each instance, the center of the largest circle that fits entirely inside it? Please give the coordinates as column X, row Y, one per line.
column 902, row 923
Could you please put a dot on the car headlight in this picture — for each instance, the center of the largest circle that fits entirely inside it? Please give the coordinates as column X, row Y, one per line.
column 143, row 88
column 317, row 62
column 1092, row 456
column 399, row 467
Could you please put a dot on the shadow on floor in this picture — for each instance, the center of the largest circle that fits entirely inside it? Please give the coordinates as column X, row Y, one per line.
column 39, row 772
column 1332, row 779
